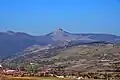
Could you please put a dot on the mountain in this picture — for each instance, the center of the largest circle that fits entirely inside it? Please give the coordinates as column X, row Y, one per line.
column 13, row 43
column 61, row 35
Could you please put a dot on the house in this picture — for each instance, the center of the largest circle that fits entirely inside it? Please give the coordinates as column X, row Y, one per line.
column 0, row 66
column 8, row 72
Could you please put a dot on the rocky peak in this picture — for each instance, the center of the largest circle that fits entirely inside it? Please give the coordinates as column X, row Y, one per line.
column 59, row 30
column 61, row 35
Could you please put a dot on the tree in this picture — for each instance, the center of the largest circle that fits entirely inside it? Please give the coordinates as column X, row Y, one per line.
column 32, row 68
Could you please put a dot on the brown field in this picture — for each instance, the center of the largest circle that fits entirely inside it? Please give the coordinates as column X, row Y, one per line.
column 31, row 78
column 42, row 78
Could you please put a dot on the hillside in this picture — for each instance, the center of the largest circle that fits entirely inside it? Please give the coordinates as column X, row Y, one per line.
column 13, row 43
column 82, row 57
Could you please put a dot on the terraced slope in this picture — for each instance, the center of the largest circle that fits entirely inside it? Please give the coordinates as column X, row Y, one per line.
column 82, row 57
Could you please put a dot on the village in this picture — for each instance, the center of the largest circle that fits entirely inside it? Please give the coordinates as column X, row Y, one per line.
column 44, row 72
column 58, row 73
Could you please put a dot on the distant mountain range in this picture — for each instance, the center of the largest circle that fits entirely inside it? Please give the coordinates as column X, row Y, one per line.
column 12, row 43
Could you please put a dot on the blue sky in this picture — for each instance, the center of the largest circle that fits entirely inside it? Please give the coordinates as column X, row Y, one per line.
column 78, row 16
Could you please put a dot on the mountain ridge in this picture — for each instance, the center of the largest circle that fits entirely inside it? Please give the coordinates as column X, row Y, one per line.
column 15, row 42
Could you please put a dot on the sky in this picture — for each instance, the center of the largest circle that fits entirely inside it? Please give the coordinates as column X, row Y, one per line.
column 40, row 17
